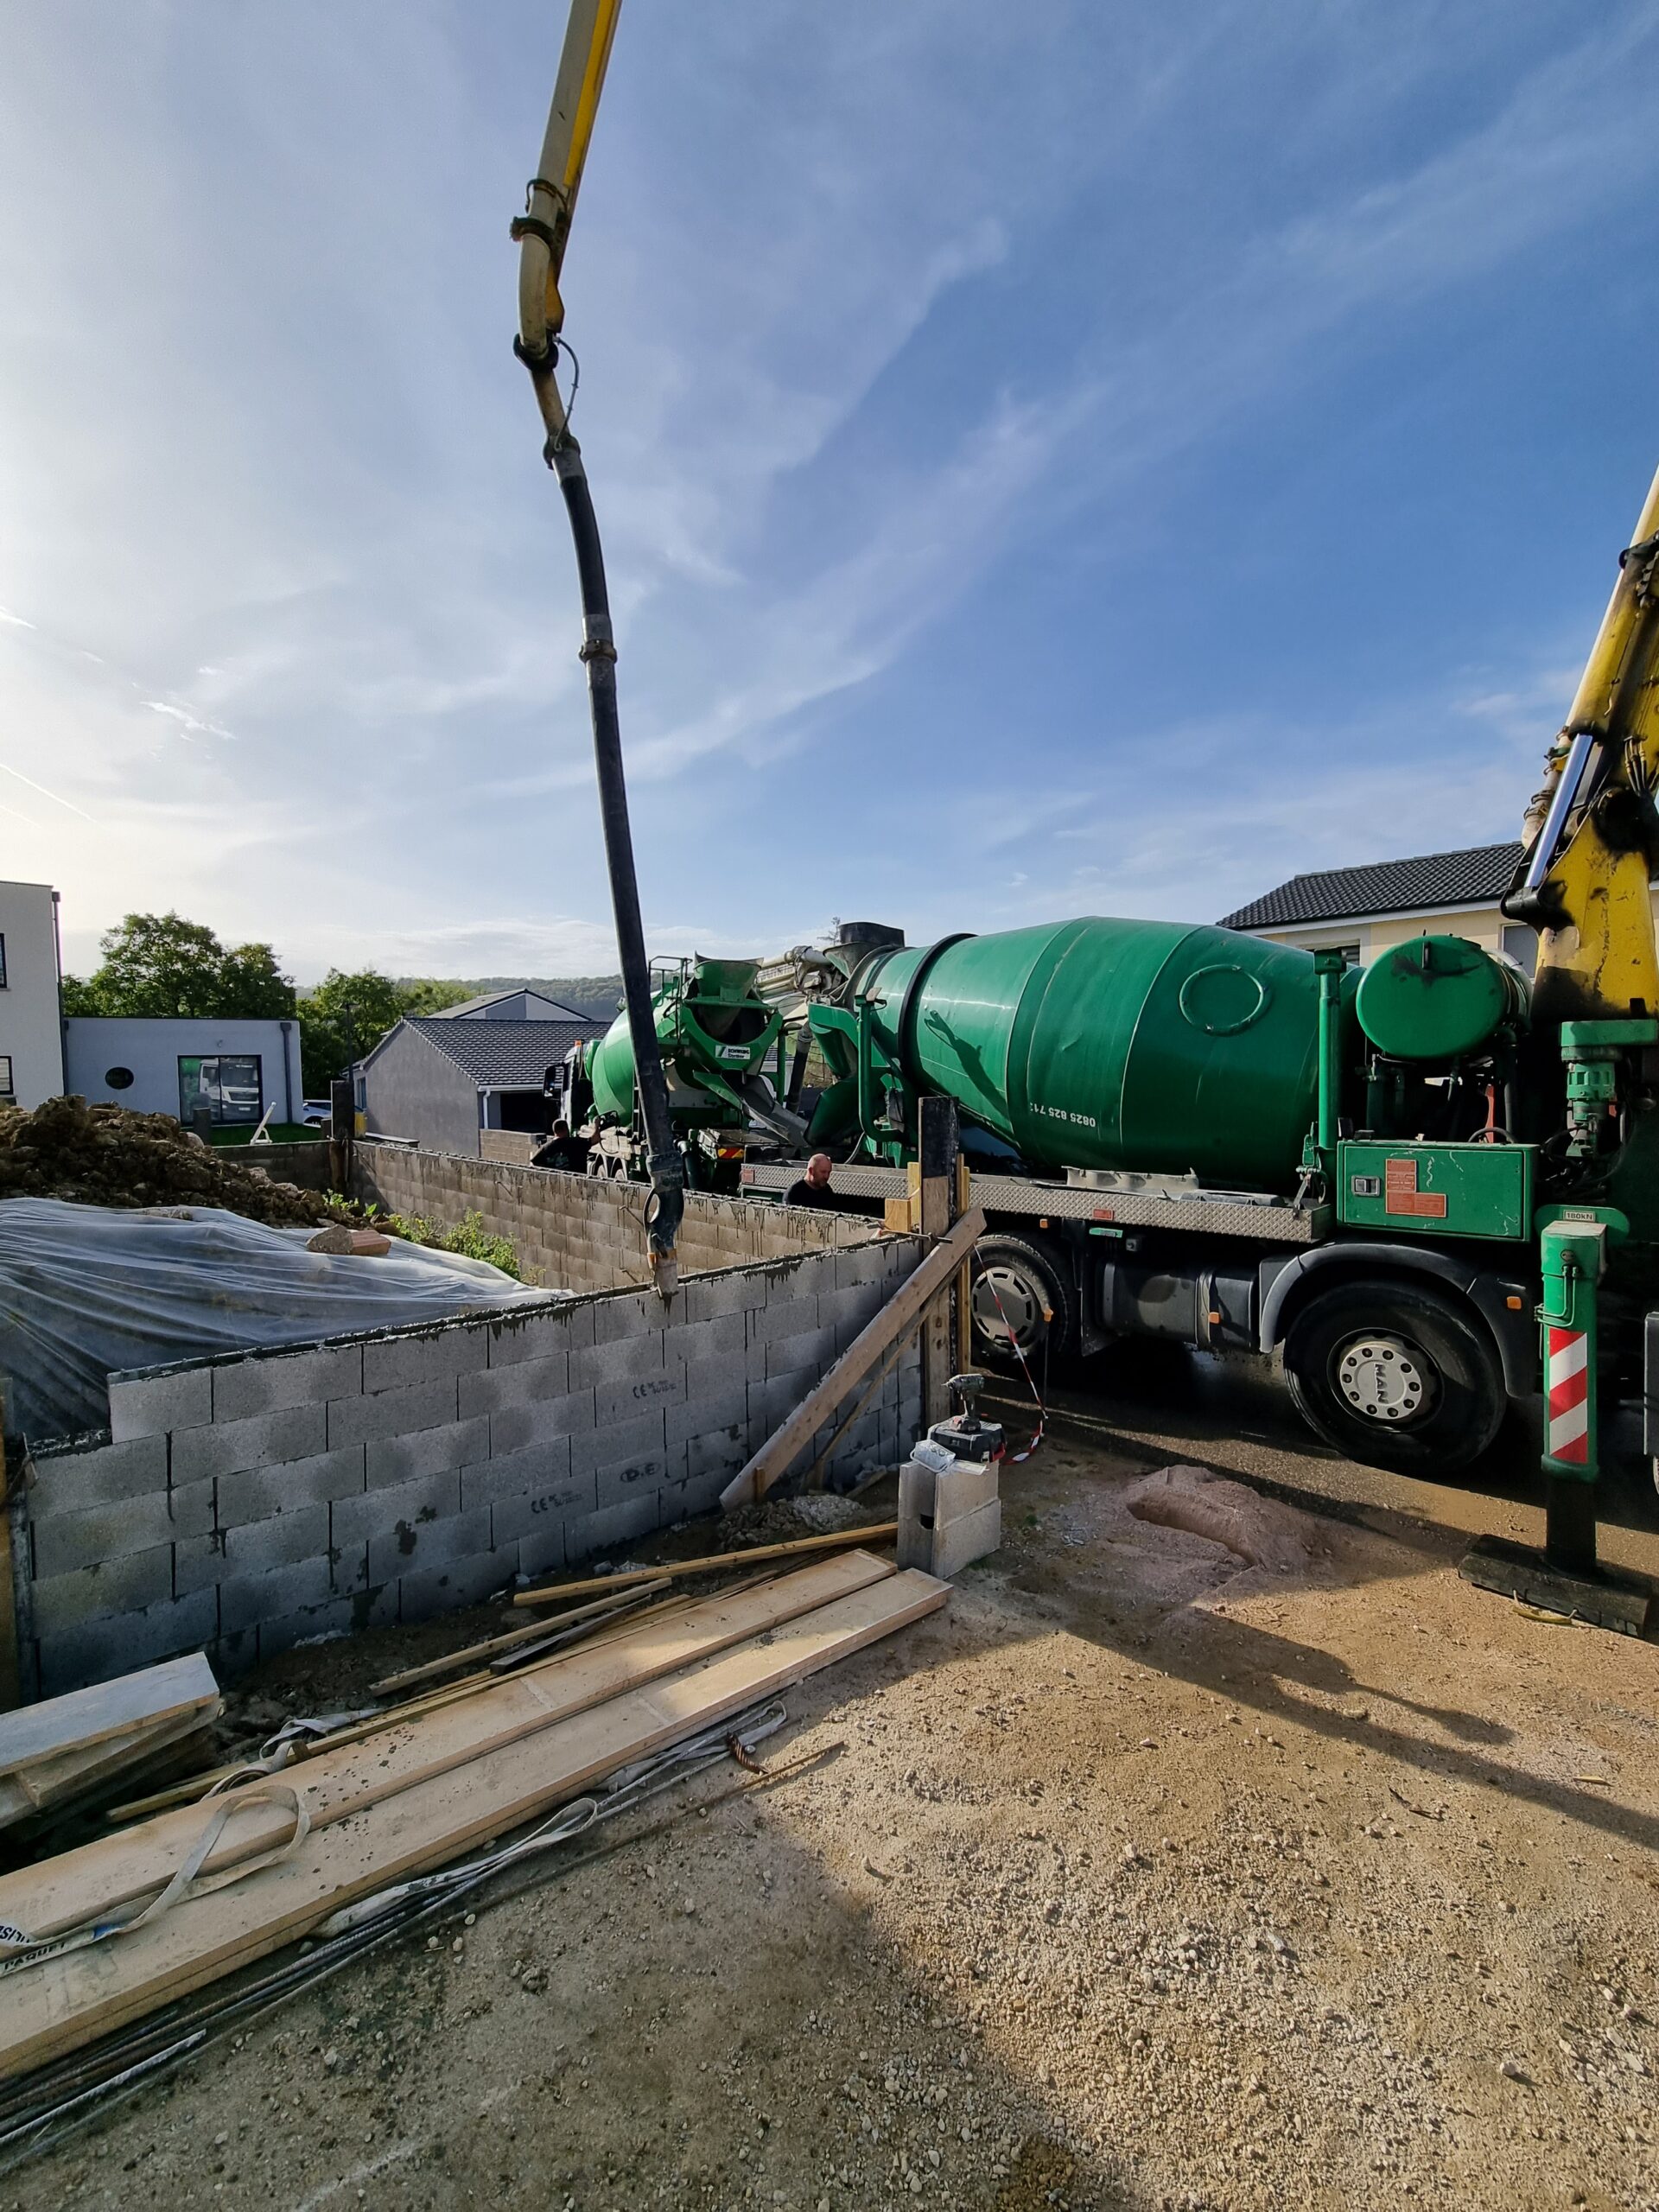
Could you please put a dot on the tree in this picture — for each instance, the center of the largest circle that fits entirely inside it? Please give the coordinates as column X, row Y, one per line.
column 431, row 994
column 161, row 965
column 345, row 1017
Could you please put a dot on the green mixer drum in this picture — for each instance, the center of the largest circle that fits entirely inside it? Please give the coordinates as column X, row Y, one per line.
column 1143, row 1046
column 610, row 1070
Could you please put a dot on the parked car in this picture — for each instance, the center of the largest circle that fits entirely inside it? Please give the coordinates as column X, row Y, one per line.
column 316, row 1113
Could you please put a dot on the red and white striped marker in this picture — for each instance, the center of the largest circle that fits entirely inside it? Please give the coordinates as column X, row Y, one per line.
column 1569, row 1396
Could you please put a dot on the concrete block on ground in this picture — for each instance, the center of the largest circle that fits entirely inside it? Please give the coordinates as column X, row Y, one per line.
column 616, row 1527
column 466, row 1580
column 104, row 1534
column 525, row 1383
column 245, row 1600
column 263, row 1382
column 282, row 1540
column 523, row 1516
column 96, row 1650
column 156, row 1405
column 128, row 1584
column 361, row 1519
column 233, row 1446
column 519, row 1428
column 70, row 1479
column 422, row 1542
column 397, row 1412
column 426, row 1356
column 257, row 1493
column 542, row 1553
column 428, row 1452
column 961, row 1541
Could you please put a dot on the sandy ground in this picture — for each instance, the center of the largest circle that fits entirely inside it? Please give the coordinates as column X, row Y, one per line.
column 1145, row 1877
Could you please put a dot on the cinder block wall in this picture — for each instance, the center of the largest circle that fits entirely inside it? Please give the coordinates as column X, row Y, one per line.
column 250, row 1503
column 578, row 1233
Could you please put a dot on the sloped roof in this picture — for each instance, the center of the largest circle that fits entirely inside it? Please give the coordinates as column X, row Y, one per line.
column 503, row 1054
column 1474, row 875
column 470, row 1010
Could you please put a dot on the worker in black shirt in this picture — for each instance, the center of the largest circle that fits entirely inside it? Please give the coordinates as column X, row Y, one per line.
column 814, row 1188
column 562, row 1150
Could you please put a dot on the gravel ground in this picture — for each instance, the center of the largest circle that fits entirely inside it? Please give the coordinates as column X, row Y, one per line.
column 1144, row 1876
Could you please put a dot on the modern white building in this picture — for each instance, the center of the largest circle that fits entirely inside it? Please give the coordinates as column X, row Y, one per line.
column 31, row 1036
column 236, row 1071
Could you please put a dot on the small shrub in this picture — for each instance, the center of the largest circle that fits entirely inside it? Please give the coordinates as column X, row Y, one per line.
column 470, row 1238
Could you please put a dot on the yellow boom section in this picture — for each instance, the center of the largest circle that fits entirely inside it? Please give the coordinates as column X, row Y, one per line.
column 1592, row 833
column 550, row 199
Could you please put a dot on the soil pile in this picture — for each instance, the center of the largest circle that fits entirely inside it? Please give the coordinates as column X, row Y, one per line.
column 106, row 1156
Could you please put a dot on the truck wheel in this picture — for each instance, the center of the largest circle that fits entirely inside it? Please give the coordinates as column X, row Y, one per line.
column 1396, row 1376
column 1017, row 1286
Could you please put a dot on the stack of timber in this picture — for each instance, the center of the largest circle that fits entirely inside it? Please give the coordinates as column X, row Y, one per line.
column 69, row 1754
column 409, row 1797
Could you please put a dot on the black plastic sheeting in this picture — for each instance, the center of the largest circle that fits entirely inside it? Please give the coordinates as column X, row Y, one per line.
column 88, row 1292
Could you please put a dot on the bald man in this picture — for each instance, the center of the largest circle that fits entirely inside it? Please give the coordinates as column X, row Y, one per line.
column 814, row 1187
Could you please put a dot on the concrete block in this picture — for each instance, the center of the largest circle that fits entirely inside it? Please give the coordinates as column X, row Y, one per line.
column 398, row 1363
column 621, row 1440
column 245, row 1600
column 230, row 1447
column 96, row 1650
column 771, row 1402
column 626, row 1478
column 707, row 1297
column 722, row 1451
column 622, row 1315
column 420, row 1543
column 621, row 1401
column 263, row 1382
column 853, row 1308
column 542, row 1553
column 360, row 1520
column 706, row 1411
column 521, row 1427
column 392, row 1413
column 348, row 1566
column 537, row 1331
column 688, row 1499
column 525, row 1383
column 515, row 1517
column 427, row 1591
column 128, row 1585
column 813, row 1348
column 428, row 1452
column 697, row 1342
column 282, row 1540
column 786, row 1316
column 961, row 1541
column 612, row 1530
column 155, row 1405
column 258, row 1493
column 620, row 1360
column 72, row 1481
column 516, row 1474
column 104, row 1532
column 311, row 1624
column 888, row 1260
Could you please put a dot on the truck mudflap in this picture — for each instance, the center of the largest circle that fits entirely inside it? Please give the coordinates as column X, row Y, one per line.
column 1506, row 1300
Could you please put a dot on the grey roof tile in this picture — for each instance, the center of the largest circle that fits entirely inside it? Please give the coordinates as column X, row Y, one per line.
column 1475, row 875
column 498, row 1054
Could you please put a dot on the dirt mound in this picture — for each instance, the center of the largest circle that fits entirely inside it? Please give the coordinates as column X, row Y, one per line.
column 105, row 1156
column 1256, row 1530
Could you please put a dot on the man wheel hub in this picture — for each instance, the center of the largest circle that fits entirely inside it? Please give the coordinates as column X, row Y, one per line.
column 1008, row 1308
column 1382, row 1379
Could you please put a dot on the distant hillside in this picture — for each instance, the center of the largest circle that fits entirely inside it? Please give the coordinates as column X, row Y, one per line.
column 597, row 996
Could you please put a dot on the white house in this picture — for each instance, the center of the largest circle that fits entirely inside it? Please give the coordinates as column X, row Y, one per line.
column 31, row 1038
column 235, row 1069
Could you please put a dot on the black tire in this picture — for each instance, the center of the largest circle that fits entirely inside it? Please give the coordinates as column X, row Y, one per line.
column 1032, row 1284
column 1395, row 1374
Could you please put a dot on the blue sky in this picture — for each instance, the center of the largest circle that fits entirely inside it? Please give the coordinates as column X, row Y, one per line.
column 1064, row 459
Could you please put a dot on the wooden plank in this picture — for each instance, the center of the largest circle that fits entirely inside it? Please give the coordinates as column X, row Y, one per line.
column 491, row 1645
column 900, row 1313
column 60, row 1893
column 89, row 1716
column 940, row 1153
column 798, row 1547
column 67, row 2002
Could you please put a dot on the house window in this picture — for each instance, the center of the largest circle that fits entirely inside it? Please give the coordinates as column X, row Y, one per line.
column 6, row 1094
column 119, row 1079
column 229, row 1086
column 2, row 964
